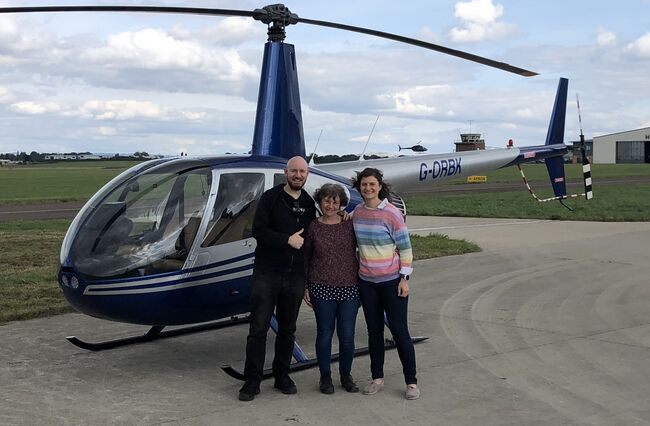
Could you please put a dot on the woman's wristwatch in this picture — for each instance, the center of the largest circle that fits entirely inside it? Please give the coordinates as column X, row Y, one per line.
column 405, row 277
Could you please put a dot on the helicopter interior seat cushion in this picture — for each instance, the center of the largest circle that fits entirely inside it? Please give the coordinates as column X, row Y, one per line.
column 183, row 245
column 116, row 235
column 231, row 228
column 188, row 233
column 216, row 230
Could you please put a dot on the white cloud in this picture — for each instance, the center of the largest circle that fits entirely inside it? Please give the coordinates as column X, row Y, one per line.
column 234, row 31
column 640, row 46
column 478, row 11
column 192, row 115
column 106, row 131
column 17, row 35
column 149, row 49
column 5, row 95
column 8, row 30
column 155, row 49
column 605, row 38
column 427, row 34
column 479, row 22
column 404, row 104
column 121, row 110
column 231, row 144
column 420, row 100
column 525, row 113
column 35, row 108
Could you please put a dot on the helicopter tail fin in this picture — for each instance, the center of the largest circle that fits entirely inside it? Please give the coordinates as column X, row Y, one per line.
column 555, row 135
column 400, row 148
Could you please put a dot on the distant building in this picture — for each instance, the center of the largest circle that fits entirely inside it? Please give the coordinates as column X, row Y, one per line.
column 632, row 146
column 470, row 142
column 72, row 156
column 576, row 152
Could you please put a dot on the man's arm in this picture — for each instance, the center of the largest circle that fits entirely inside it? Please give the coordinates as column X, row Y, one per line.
column 262, row 230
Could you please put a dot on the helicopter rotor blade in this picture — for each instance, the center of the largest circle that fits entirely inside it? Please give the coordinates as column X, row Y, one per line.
column 147, row 9
column 277, row 15
column 415, row 42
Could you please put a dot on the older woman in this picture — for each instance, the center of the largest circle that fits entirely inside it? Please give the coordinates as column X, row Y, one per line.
column 331, row 263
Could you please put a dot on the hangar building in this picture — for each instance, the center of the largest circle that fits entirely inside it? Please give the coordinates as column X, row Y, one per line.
column 632, row 146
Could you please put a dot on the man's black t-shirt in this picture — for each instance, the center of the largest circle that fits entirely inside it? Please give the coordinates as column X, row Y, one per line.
column 277, row 217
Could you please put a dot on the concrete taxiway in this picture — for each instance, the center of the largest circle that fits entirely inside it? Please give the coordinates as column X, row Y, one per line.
column 549, row 325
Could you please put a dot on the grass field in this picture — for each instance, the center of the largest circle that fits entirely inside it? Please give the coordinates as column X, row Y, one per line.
column 29, row 249
column 56, row 182
column 618, row 203
column 30, row 260
column 29, row 263
column 626, row 200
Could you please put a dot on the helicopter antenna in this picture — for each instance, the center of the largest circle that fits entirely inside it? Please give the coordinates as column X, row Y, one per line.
column 369, row 136
column 313, row 154
column 582, row 136
column 586, row 166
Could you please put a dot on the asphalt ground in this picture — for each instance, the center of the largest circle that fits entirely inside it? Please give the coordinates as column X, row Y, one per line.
column 9, row 212
column 549, row 325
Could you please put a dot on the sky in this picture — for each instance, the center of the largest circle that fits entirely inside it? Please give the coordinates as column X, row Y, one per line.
column 171, row 84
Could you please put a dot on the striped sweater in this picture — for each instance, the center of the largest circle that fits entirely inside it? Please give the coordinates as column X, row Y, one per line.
column 383, row 241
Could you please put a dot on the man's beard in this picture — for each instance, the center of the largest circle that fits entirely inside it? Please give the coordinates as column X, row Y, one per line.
column 296, row 186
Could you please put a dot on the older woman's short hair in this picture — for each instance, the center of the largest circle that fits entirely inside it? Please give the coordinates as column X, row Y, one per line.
column 331, row 190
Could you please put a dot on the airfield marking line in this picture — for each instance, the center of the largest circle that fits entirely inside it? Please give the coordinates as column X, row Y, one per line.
column 482, row 225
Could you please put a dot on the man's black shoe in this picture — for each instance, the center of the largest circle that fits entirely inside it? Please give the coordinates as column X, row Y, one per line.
column 326, row 385
column 285, row 385
column 249, row 390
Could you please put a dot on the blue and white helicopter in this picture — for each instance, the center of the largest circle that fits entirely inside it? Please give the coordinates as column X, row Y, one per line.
column 168, row 242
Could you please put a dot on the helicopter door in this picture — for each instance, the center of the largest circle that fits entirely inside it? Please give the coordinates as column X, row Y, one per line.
column 228, row 234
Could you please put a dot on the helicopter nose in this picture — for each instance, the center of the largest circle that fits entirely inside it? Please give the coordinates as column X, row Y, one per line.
column 69, row 280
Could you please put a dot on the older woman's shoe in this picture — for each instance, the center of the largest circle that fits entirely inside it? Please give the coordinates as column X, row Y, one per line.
column 326, row 385
column 348, row 384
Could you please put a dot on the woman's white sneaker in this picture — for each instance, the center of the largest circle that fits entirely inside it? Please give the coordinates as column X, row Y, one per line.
column 373, row 388
column 412, row 392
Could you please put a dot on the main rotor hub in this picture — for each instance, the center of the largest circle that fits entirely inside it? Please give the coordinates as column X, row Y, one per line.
column 277, row 17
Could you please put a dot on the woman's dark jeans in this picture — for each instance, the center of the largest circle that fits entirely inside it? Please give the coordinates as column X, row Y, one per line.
column 341, row 314
column 377, row 298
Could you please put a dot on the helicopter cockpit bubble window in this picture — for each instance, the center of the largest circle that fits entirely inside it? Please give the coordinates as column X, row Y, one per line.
column 146, row 225
column 234, row 208
column 92, row 203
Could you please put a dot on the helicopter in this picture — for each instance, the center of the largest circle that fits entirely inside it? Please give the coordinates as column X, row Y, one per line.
column 169, row 241
column 415, row 148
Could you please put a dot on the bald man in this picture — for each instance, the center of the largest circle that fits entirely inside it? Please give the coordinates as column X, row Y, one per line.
column 281, row 220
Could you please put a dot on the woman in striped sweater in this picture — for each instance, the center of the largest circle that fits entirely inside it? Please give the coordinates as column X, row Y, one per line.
column 385, row 265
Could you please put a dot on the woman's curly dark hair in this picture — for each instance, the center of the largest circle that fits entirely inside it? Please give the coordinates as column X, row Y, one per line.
column 384, row 192
column 333, row 191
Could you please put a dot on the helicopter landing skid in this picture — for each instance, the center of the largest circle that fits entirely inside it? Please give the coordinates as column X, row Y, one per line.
column 156, row 332
column 309, row 363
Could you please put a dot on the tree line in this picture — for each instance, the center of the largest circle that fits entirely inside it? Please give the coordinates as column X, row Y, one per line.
column 37, row 157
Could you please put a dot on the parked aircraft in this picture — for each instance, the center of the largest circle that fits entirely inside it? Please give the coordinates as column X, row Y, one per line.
column 168, row 242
